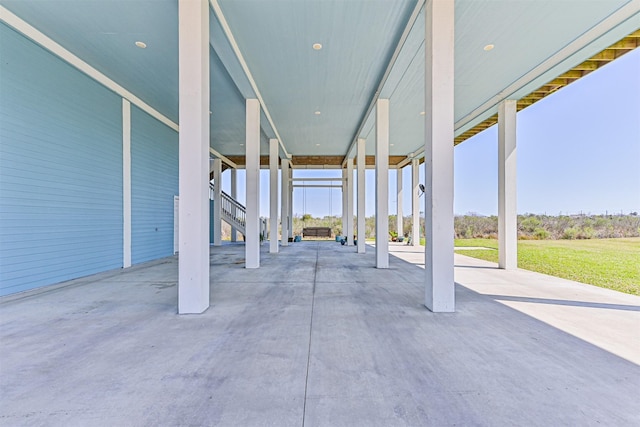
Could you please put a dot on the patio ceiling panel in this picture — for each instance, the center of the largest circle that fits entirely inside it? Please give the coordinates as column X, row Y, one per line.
column 103, row 33
column 276, row 38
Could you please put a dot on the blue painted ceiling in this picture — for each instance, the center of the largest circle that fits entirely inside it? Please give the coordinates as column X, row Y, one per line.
column 358, row 38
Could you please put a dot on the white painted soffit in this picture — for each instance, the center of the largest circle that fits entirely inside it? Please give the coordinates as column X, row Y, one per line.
column 221, row 23
column 613, row 28
column 55, row 48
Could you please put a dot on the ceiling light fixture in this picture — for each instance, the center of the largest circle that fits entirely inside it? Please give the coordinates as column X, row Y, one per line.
column 317, row 145
column 141, row 45
column 488, row 47
column 317, row 46
column 317, row 113
column 422, row 113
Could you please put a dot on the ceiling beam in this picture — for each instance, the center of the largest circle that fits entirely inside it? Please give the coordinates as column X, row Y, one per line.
column 224, row 159
column 236, row 49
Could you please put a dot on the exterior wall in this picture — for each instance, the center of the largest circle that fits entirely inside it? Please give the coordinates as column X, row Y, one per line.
column 60, row 169
column 154, row 182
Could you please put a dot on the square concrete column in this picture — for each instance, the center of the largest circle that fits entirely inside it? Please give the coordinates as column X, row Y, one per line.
column 439, row 128
column 284, row 199
column 126, row 183
column 507, row 211
column 361, row 166
column 382, row 183
column 344, row 202
column 252, row 145
column 234, row 194
column 349, row 232
column 415, row 202
column 217, row 202
column 273, row 196
column 193, row 98
column 399, row 213
column 290, row 203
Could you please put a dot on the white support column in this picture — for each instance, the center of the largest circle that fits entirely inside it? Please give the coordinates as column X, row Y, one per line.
column 273, row 196
column 252, row 145
column 234, row 194
column 382, row 183
column 361, row 195
column 126, row 183
column 507, row 212
column 193, row 65
column 217, row 202
column 439, row 128
column 284, row 199
column 399, row 213
column 415, row 202
column 290, row 204
column 350, row 186
column 344, row 202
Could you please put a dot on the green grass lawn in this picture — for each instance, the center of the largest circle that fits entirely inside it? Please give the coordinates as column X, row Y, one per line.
column 608, row 263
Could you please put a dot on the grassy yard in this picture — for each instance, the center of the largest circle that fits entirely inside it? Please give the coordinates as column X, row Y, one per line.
column 608, row 263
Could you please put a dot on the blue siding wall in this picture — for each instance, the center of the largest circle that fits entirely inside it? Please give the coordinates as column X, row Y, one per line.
column 154, row 182
column 60, row 169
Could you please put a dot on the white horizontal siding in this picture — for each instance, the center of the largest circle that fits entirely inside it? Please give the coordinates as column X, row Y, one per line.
column 60, row 170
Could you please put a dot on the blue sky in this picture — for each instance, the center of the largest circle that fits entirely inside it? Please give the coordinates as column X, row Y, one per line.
column 578, row 151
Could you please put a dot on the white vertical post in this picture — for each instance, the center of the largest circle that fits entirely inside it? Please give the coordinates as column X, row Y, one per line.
column 344, row 202
column 217, row 202
column 382, row 183
column 415, row 202
column 193, row 65
column 507, row 212
column 290, row 203
column 349, row 231
column 361, row 195
column 234, row 195
column 126, row 183
column 439, row 128
column 252, row 145
column 399, row 213
column 273, row 196
column 284, row 199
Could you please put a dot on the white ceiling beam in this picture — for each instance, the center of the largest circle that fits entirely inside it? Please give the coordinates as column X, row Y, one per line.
column 236, row 49
column 40, row 38
column 214, row 153
column 383, row 80
column 316, row 179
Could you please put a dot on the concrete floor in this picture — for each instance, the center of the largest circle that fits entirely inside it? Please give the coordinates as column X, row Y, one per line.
column 318, row 337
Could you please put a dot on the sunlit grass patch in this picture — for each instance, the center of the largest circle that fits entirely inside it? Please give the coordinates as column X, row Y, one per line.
column 608, row 263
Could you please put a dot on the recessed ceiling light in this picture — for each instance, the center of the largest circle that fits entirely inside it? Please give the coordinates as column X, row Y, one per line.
column 489, row 47
column 422, row 113
column 391, row 145
column 317, row 46
column 317, row 113
column 241, row 143
column 317, row 145
column 141, row 45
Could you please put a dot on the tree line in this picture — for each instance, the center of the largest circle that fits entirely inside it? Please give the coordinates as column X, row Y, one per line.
column 530, row 226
